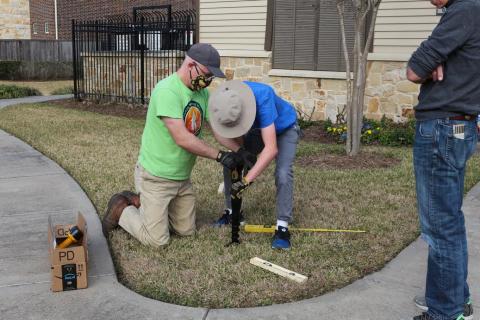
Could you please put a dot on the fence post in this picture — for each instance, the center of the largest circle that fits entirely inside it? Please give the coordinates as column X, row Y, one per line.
column 96, row 35
column 188, row 34
column 74, row 58
column 142, row 60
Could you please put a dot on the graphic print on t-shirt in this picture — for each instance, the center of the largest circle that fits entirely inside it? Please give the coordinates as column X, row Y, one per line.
column 193, row 117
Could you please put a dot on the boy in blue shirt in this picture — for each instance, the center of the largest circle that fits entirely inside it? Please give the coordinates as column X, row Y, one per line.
column 270, row 132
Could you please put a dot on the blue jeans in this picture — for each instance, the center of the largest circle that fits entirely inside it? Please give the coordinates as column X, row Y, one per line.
column 287, row 145
column 439, row 159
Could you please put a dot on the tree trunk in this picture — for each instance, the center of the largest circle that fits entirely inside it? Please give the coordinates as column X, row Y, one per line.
column 356, row 88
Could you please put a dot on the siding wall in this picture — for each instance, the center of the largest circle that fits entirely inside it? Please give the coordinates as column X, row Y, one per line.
column 14, row 19
column 402, row 25
column 235, row 27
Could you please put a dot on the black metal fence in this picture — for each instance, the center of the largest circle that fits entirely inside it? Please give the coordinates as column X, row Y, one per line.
column 123, row 57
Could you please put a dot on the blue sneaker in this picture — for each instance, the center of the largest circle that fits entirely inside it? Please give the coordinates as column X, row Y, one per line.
column 226, row 219
column 281, row 239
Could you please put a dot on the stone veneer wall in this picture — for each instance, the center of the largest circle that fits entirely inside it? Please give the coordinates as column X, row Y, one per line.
column 387, row 92
column 15, row 19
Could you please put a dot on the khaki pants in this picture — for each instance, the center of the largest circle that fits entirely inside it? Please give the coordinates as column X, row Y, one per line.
column 165, row 204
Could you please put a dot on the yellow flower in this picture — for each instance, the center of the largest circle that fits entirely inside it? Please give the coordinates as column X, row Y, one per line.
column 345, row 128
column 369, row 131
column 334, row 129
column 329, row 129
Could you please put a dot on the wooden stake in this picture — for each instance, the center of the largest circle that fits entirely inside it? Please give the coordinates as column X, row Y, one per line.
column 278, row 270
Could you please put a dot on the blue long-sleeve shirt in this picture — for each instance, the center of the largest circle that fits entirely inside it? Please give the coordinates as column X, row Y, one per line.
column 455, row 44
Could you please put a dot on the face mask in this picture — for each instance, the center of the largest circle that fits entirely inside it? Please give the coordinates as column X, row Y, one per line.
column 200, row 81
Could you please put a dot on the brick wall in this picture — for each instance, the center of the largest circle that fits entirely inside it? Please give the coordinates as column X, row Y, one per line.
column 96, row 9
column 41, row 12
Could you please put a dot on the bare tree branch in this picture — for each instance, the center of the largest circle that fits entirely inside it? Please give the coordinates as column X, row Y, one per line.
column 341, row 13
column 371, row 30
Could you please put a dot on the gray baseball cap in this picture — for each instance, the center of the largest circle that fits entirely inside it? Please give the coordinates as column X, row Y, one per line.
column 207, row 55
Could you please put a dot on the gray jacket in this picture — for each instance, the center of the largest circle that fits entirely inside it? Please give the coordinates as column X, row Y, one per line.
column 454, row 43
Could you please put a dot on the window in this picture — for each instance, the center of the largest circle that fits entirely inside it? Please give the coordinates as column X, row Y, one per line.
column 46, row 27
column 34, row 28
column 307, row 36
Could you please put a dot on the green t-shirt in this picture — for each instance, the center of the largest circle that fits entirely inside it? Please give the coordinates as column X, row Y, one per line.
column 159, row 154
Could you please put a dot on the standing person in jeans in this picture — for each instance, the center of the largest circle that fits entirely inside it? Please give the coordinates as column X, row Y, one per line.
column 171, row 141
column 447, row 65
column 271, row 132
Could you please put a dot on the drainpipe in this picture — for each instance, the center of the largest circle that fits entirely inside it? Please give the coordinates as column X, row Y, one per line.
column 56, row 21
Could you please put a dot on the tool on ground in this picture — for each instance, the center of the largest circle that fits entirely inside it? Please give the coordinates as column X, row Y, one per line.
column 257, row 228
column 236, row 175
column 300, row 278
column 73, row 236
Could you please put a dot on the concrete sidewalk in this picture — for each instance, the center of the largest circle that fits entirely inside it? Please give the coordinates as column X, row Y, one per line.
column 34, row 99
column 33, row 187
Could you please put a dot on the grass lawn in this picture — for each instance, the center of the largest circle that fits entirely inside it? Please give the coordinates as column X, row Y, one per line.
column 45, row 87
column 100, row 151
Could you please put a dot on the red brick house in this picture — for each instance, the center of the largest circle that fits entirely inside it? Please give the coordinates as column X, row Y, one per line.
column 45, row 15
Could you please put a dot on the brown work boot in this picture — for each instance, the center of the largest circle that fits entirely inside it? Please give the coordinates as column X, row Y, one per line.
column 115, row 208
column 132, row 197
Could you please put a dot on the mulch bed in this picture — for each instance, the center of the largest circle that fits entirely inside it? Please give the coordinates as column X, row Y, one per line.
column 364, row 160
column 314, row 133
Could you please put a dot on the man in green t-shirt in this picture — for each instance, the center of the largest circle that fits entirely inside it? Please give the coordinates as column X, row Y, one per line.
column 170, row 144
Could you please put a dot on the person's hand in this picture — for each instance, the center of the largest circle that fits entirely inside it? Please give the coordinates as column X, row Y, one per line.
column 248, row 158
column 238, row 188
column 229, row 159
column 437, row 74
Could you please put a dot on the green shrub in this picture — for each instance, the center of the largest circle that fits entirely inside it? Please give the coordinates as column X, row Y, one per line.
column 397, row 134
column 12, row 91
column 61, row 91
column 9, row 69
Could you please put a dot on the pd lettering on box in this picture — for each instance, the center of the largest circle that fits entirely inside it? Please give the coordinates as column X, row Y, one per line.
column 69, row 265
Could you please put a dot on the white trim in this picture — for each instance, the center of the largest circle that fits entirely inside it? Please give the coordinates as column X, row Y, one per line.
column 308, row 74
column 244, row 53
column 56, row 20
column 401, row 57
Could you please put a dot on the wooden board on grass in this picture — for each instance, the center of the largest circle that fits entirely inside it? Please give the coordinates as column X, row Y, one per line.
column 278, row 270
